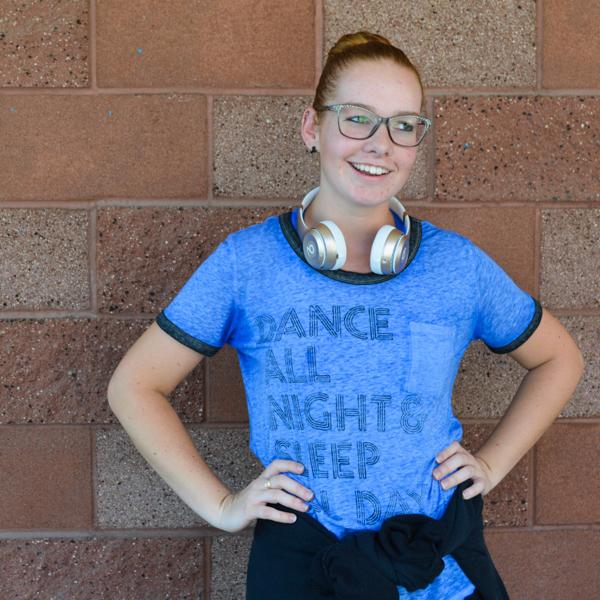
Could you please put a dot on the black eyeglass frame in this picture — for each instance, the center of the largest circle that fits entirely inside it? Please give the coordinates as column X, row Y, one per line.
column 337, row 107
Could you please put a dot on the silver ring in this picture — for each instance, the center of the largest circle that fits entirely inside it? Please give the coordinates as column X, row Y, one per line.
column 268, row 483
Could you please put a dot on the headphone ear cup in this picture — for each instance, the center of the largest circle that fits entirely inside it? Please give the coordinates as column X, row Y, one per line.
column 389, row 251
column 324, row 246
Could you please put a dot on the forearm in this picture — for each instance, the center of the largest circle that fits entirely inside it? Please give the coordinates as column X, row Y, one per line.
column 542, row 394
column 161, row 438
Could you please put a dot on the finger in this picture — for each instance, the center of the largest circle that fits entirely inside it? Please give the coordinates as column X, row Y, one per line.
column 292, row 486
column 451, row 464
column 279, row 465
column 458, row 477
column 275, row 494
column 448, row 451
column 473, row 491
column 286, row 499
column 270, row 513
column 287, row 483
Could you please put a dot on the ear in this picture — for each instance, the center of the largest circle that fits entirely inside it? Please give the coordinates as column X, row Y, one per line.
column 309, row 130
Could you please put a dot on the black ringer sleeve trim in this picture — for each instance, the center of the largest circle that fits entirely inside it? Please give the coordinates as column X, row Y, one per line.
column 185, row 338
column 535, row 321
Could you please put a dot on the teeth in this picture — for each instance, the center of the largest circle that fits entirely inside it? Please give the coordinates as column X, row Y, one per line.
column 370, row 169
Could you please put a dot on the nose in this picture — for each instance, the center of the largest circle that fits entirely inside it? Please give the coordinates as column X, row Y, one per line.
column 380, row 141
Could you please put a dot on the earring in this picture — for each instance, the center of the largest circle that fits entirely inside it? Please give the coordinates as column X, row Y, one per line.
column 313, row 150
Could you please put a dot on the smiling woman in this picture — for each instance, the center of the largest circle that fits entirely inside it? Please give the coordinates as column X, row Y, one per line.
column 350, row 318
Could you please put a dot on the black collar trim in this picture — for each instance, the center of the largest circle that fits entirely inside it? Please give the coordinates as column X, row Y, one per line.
column 291, row 235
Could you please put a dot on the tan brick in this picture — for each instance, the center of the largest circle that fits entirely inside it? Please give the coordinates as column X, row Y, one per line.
column 129, row 493
column 506, row 505
column 452, row 43
column 258, row 150
column 44, row 45
column 570, row 249
column 229, row 556
column 44, row 259
column 145, row 255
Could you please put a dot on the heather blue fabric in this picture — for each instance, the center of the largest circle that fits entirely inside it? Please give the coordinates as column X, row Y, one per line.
column 352, row 374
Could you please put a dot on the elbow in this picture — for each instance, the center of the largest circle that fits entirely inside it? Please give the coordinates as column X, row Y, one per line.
column 576, row 363
column 112, row 392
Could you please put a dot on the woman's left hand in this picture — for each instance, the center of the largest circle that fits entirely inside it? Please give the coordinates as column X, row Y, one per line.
column 469, row 466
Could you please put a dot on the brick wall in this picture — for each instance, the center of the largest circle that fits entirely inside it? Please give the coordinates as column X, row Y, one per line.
column 134, row 136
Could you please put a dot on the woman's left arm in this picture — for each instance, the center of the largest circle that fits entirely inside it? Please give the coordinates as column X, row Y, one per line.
column 555, row 366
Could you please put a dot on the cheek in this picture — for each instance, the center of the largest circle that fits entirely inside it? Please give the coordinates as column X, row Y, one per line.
column 408, row 157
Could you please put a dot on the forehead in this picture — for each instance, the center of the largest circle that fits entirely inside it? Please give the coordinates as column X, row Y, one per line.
column 382, row 85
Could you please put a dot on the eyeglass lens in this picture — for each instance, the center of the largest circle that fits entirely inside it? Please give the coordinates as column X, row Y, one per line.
column 357, row 123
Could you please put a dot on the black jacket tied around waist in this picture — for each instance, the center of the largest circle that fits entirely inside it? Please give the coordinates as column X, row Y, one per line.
column 368, row 565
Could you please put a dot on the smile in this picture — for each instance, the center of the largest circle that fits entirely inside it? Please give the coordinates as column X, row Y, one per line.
column 369, row 169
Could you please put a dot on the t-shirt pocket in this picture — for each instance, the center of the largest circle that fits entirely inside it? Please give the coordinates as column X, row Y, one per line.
column 431, row 357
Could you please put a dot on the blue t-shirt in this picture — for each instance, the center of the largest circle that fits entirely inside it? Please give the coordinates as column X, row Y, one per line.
column 351, row 374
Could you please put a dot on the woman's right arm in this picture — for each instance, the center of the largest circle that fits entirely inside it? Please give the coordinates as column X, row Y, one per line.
column 137, row 395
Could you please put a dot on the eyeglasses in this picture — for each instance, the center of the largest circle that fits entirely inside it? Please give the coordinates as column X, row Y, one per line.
column 359, row 123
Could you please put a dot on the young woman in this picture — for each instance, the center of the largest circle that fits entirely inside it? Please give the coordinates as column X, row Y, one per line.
column 350, row 319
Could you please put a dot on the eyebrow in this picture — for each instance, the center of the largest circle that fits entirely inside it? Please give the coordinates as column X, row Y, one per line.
column 398, row 112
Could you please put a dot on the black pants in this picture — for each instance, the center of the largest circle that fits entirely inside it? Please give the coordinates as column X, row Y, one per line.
column 277, row 569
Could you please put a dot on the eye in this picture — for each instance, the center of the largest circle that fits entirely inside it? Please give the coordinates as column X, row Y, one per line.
column 403, row 126
column 360, row 119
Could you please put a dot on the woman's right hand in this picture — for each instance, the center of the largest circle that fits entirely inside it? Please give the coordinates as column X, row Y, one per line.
column 238, row 510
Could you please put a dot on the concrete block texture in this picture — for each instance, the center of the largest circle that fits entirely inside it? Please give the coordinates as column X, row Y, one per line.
column 520, row 148
column 452, row 43
column 130, row 493
column 134, row 568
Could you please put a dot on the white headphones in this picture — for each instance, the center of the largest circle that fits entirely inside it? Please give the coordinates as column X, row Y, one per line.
column 324, row 245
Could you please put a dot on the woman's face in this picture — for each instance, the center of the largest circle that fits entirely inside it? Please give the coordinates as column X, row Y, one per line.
column 387, row 89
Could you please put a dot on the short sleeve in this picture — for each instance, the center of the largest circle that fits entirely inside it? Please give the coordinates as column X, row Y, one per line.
column 505, row 315
column 202, row 313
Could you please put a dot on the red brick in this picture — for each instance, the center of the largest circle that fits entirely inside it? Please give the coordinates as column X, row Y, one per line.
column 547, row 565
column 145, row 255
column 571, row 45
column 63, row 367
column 102, row 568
column 507, row 234
column 517, row 148
column 81, row 147
column 233, row 43
column 566, row 474
column 506, row 505
column 226, row 394
column 46, row 478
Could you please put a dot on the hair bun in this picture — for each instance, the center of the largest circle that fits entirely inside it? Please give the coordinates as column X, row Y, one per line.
column 358, row 38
